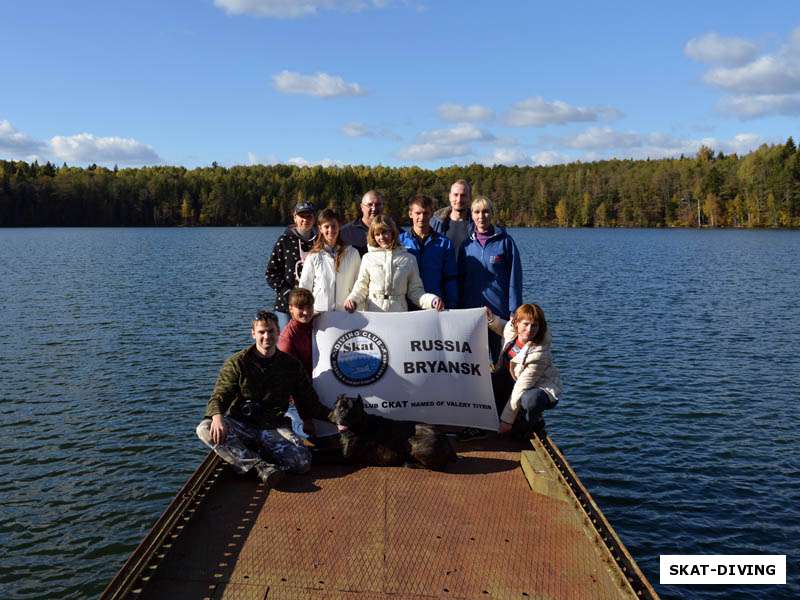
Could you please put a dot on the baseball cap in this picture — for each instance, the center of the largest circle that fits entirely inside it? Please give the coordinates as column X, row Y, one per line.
column 302, row 207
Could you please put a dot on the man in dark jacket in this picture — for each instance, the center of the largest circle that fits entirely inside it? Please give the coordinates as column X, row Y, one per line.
column 453, row 221
column 355, row 233
column 286, row 261
column 434, row 252
column 245, row 421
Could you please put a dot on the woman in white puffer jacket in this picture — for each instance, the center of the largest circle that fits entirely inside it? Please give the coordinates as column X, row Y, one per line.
column 331, row 268
column 388, row 275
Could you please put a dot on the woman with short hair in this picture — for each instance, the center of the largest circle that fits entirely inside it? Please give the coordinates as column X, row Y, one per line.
column 389, row 276
column 489, row 269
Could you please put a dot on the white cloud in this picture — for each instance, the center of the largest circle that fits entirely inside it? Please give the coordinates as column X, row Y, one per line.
column 16, row 144
column 461, row 113
column 463, row 132
column 537, row 112
column 294, row 9
column 507, row 156
column 433, row 151
column 548, row 158
column 713, row 48
column 761, row 105
column 321, row 85
column 605, row 143
column 767, row 85
column 602, row 137
column 299, row 161
column 356, row 130
column 87, row 148
column 766, row 75
column 255, row 159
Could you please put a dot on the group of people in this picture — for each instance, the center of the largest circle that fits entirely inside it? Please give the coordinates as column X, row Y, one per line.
column 452, row 258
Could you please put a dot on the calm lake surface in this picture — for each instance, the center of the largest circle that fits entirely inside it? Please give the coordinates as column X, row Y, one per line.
column 678, row 350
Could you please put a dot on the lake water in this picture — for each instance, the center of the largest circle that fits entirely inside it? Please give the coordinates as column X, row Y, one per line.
column 678, row 350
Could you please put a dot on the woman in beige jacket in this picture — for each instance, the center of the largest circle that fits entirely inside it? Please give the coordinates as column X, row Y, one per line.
column 524, row 376
column 388, row 275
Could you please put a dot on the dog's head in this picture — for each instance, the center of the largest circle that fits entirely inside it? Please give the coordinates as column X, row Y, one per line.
column 348, row 412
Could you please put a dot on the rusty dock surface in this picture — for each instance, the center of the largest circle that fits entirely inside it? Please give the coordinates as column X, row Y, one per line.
column 508, row 520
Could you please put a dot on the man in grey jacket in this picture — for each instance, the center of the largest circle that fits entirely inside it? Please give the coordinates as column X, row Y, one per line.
column 453, row 221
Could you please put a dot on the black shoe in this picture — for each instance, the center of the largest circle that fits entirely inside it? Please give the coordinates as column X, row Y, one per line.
column 471, row 433
column 269, row 474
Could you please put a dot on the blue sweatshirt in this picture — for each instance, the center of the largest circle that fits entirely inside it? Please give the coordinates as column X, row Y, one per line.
column 490, row 275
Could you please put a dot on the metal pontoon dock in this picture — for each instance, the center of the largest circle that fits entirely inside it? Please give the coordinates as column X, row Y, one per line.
column 508, row 520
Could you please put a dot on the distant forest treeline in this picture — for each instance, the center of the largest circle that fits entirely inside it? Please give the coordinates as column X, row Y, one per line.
column 761, row 189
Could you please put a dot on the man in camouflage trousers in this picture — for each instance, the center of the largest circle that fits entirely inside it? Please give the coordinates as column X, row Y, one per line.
column 245, row 422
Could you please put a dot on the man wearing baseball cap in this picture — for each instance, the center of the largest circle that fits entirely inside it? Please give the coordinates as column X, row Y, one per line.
column 286, row 261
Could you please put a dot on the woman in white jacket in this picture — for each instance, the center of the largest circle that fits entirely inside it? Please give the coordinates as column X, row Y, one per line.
column 331, row 267
column 525, row 380
column 388, row 275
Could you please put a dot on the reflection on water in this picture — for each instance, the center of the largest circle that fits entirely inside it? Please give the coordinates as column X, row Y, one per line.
column 678, row 351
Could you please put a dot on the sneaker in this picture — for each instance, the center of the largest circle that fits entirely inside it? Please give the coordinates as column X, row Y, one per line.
column 268, row 474
column 471, row 433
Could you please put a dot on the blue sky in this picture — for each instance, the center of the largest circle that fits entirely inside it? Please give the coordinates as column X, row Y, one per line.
column 393, row 82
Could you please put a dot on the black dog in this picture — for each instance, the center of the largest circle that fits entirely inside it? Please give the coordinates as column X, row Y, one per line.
column 378, row 441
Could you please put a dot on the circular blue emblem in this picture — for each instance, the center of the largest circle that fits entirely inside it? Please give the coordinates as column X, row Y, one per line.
column 359, row 357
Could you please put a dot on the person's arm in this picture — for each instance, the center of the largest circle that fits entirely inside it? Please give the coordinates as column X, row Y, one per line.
column 515, row 279
column 225, row 390
column 495, row 323
column 450, row 276
column 307, row 274
column 305, row 398
column 361, row 286
column 286, row 338
column 460, row 264
column 276, row 271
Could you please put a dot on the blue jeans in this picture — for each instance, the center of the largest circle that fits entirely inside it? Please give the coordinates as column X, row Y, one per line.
column 532, row 404
column 283, row 319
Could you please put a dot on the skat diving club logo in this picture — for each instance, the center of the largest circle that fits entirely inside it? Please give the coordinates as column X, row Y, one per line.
column 359, row 357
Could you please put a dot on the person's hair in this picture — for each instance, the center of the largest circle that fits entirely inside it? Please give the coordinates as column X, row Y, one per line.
column 481, row 202
column 534, row 314
column 266, row 316
column 375, row 193
column 382, row 223
column 327, row 216
column 301, row 297
column 422, row 201
column 465, row 183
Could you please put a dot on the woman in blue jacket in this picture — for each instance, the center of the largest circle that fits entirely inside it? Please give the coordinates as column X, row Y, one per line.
column 489, row 269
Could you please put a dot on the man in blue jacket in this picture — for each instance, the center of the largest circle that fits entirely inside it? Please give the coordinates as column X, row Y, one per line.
column 434, row 252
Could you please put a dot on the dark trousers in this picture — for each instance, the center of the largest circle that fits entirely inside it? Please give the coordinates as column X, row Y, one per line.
column 533, row 403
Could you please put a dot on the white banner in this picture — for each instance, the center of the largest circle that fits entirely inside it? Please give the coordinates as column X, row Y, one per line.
column 424, row 366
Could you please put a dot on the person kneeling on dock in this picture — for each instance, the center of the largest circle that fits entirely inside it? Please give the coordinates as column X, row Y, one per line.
column 245, row 422
column 525, row 381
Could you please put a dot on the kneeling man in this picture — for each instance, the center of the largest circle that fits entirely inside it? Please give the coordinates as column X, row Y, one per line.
column 245, row 422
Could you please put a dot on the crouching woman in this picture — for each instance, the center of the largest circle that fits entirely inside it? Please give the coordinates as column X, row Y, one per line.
column 525, row 380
